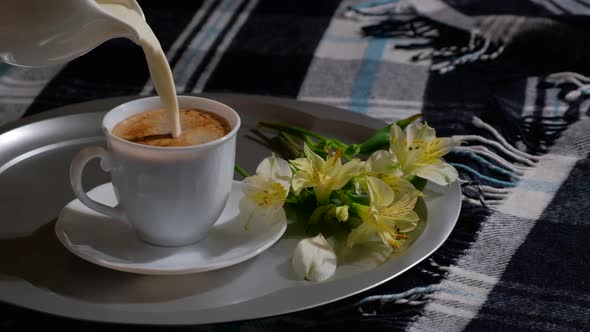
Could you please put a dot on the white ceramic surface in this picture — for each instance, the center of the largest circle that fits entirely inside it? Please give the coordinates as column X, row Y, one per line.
column 170, row 195
column 45, row 33
column 112, row 243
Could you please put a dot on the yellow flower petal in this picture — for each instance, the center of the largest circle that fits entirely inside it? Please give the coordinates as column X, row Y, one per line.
column 442, row 145
column 324, row 176
column 420, row 153
column 408, row 222
column 400, row 186
column 362, row 233
column 400, row 207
column 344, row 173
column 380, row 193
column 397, row 141
column 316, row 162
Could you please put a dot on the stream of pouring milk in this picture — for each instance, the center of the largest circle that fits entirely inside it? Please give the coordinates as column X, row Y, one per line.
column 156, row 60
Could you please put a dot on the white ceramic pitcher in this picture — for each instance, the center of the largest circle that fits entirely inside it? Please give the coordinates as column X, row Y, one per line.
column 51, row 32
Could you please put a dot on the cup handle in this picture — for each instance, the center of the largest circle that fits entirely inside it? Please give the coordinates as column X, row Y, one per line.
column 76, row 169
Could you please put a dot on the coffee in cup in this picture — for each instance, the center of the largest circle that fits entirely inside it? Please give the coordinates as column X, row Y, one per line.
column 153, row 128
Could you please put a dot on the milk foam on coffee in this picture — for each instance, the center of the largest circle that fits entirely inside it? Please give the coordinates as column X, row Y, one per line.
column 153, row 128
column 156, row 59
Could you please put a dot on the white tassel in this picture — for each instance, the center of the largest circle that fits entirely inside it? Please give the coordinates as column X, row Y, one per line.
column 581, row 81
column 376, row 11
column 499, row 146
column 568, row 76
column 409, row 302
column 494, row 195
column 483, row 151
column 492, row 154
column 478, row 203
column 480, row 124
column 494, row 190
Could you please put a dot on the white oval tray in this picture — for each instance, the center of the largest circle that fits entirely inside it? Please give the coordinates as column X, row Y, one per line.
column 39, row 274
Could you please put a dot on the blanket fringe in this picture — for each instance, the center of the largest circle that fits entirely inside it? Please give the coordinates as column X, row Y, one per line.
column 377, row 10
column 494, row 158
column 580, row 82
column 538, row 131
column 449, row 47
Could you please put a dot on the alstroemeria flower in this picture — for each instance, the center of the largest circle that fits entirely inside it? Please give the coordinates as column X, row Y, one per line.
column 387, row 217
column 324, row 176
column 265, row 192
column 384, row 165
column 419, row 152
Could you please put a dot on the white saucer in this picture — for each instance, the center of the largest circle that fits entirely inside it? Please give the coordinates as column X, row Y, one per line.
column 113, row 244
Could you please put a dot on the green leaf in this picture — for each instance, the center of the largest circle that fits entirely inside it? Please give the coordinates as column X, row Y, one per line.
column 318, row 214
column 418, row 182
column 380, row 139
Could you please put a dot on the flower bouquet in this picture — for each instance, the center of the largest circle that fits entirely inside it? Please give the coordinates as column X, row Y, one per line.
column 345, row 195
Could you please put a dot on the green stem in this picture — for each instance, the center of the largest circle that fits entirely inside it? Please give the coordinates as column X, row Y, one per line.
column 292, row 130
column 380, row 139
column 291, row 200
column 241, row 171
column 309, row 142
column 403, row 123
column 344, row 199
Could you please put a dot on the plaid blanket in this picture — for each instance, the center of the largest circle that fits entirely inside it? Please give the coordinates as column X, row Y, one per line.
column 506, row 76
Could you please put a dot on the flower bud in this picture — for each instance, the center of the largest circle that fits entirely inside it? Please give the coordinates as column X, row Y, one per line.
column 314, row 259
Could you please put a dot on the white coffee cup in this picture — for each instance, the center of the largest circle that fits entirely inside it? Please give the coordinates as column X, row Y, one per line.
column 171, row 196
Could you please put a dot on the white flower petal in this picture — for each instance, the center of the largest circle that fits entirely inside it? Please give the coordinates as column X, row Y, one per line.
column 384, row 162
column 274, row 215
column 247, row 212
column 442, row 174
column 300, row 181
column 276, row 169
column 255, row 218
column 314, row 259
column 419, row 131
column 301, row 163
column 253, row 184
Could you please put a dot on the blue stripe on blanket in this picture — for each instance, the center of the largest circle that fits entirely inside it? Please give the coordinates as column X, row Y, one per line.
column 367, row 74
